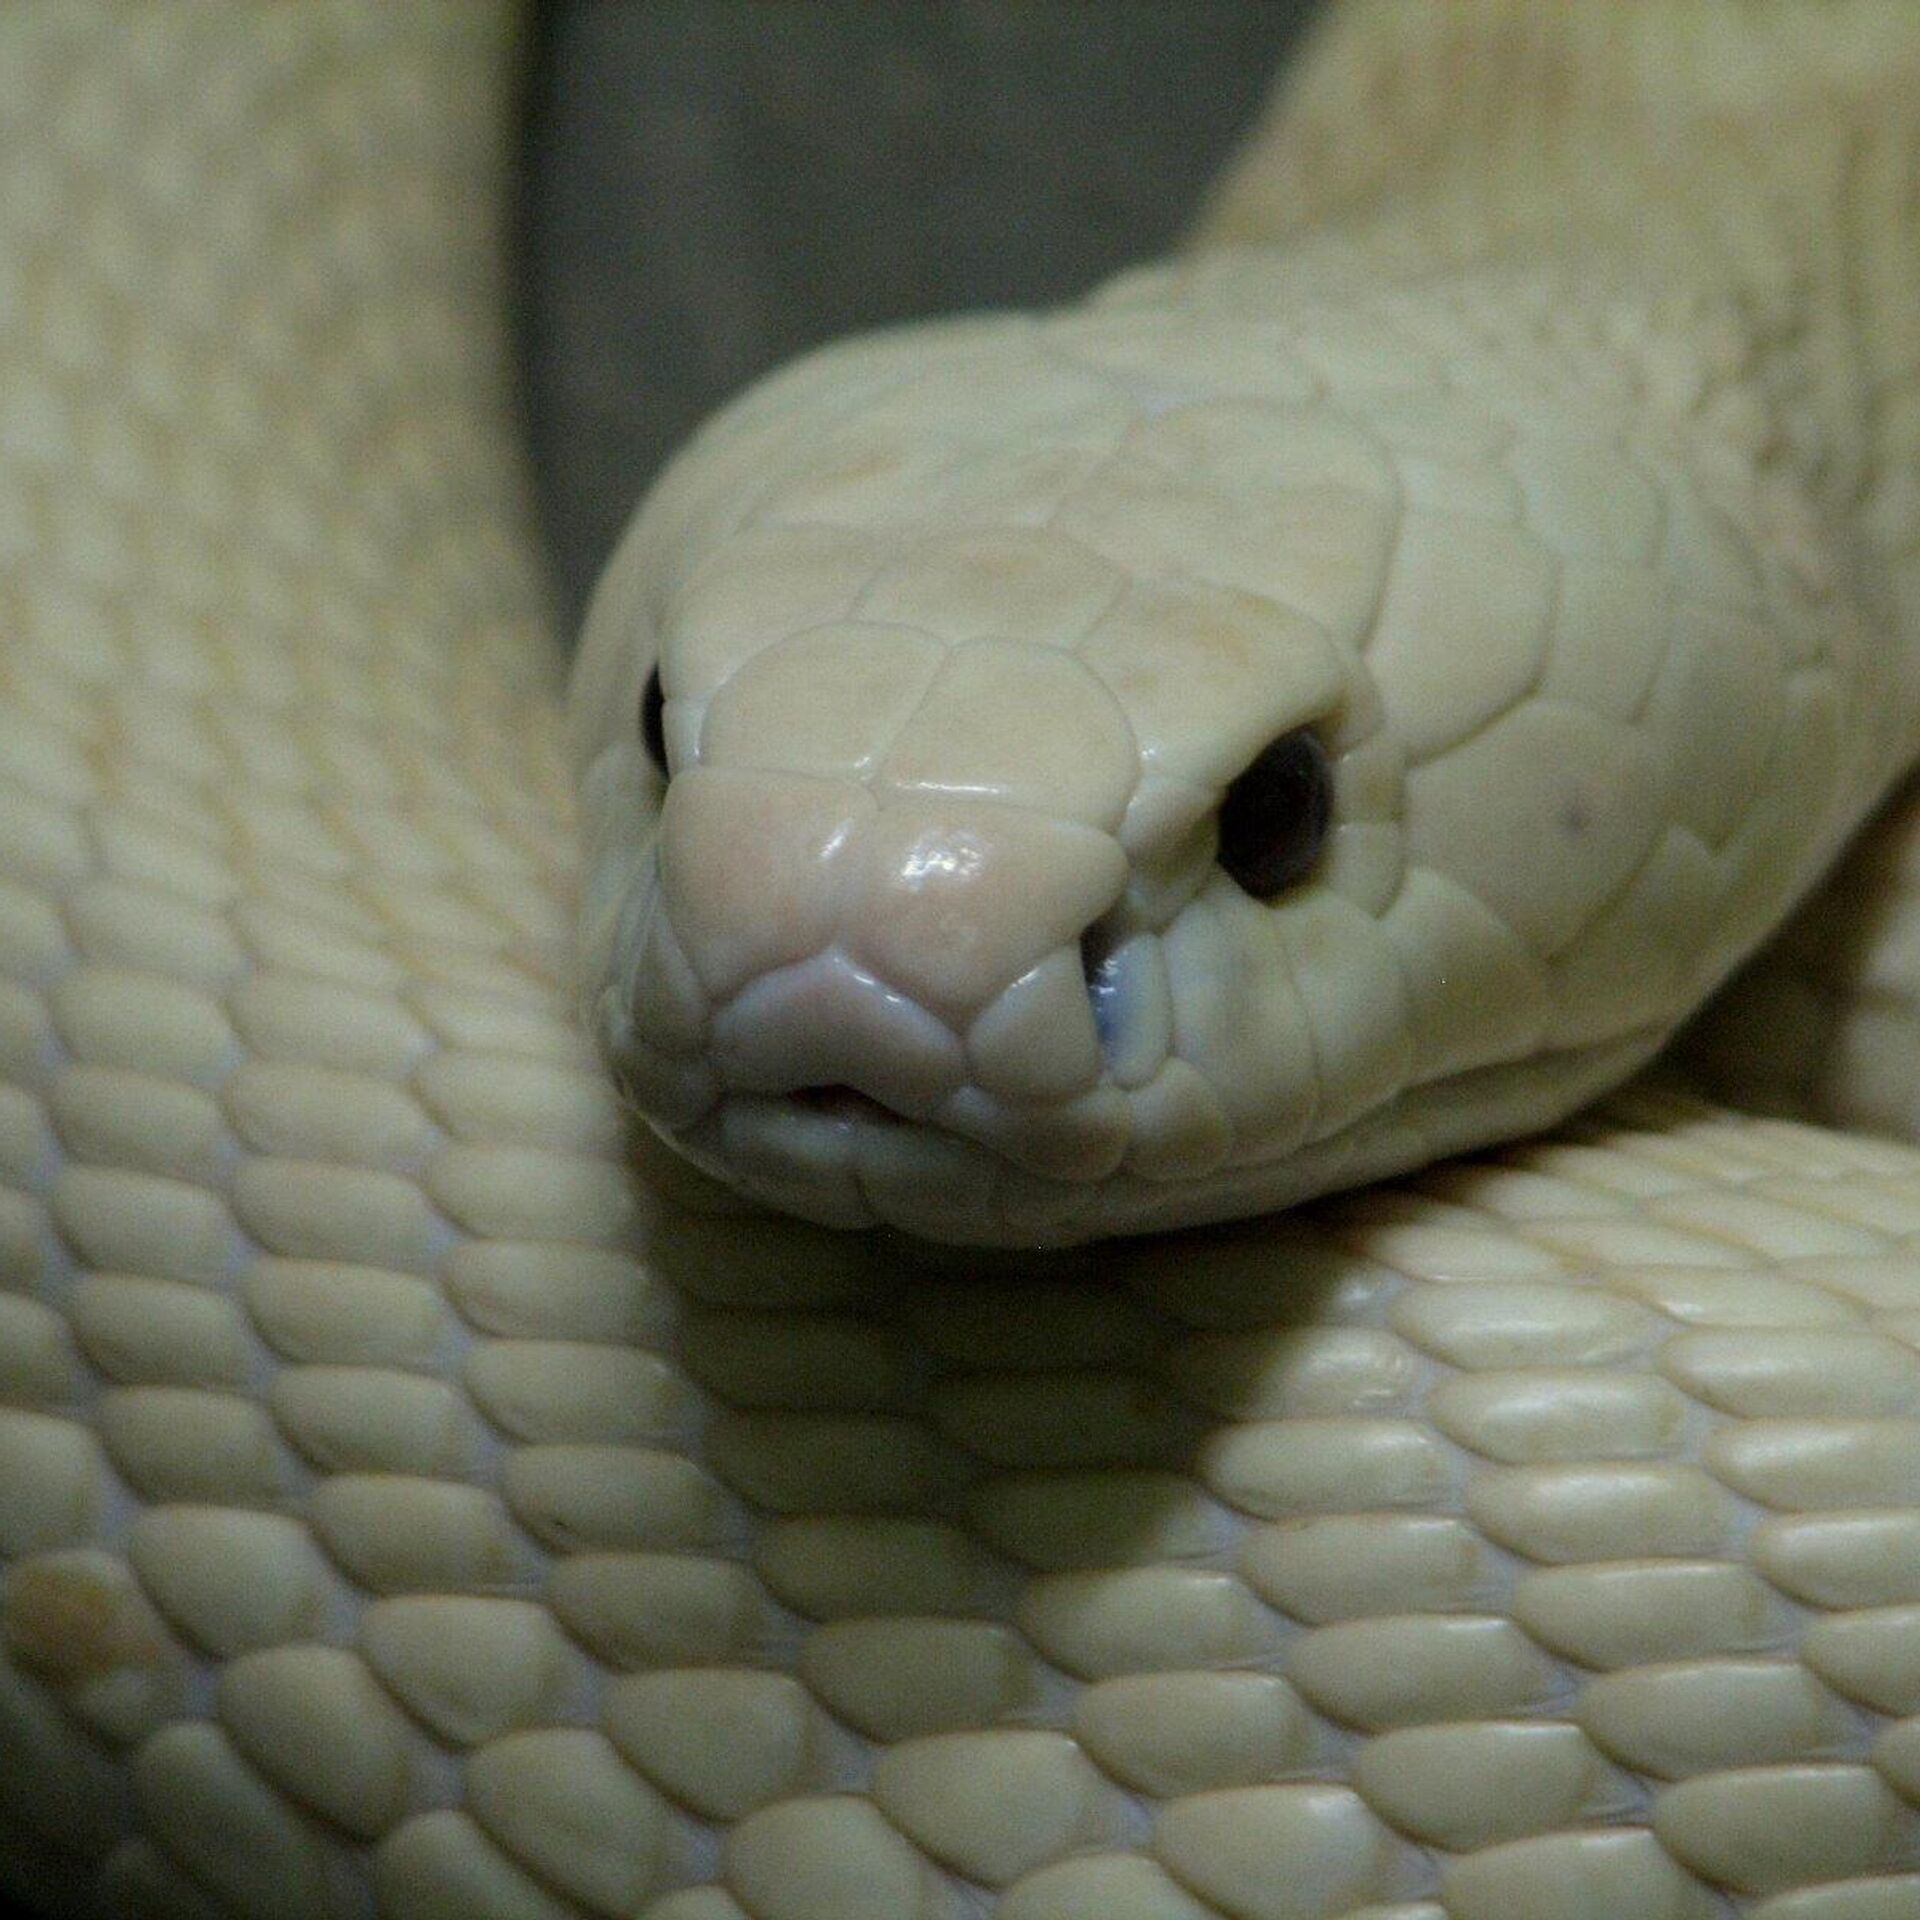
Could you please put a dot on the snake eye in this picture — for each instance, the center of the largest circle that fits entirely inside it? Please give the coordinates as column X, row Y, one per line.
column 1274, row 819
column 653, row 721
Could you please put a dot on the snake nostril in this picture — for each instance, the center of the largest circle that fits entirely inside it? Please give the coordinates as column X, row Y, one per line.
column 839, row 1101
column 653, row 721
column 1275, row 816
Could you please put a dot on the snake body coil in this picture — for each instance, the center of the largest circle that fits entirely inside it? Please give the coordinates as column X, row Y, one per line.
column 421, row 1498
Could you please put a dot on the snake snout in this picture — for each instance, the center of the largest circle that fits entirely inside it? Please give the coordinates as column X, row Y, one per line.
column 862, row 964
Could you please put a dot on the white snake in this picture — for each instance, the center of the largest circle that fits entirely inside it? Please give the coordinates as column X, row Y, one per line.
column 420, row 1497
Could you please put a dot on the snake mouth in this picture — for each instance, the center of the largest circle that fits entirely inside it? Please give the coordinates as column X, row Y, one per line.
column 836, row 1156
column 1079, row 1141
column 841, row 1102
column 831, row 1154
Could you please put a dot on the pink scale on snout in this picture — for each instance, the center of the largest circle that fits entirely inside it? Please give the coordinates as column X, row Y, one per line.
column 750, row 868
column 951, row 901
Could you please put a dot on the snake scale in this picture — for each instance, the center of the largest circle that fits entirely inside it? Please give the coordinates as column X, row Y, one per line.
column 423, row 1494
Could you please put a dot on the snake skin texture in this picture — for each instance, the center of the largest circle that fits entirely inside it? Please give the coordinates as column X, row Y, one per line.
column 1554, row 493
column 417, row 1500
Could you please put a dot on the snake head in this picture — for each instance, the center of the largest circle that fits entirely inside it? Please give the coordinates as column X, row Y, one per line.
column 1047, row 778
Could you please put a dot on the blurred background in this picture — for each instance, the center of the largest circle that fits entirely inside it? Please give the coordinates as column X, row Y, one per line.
column 714, row 185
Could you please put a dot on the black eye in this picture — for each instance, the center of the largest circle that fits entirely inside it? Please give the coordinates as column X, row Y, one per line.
column 1274, row 819
column 653, row 721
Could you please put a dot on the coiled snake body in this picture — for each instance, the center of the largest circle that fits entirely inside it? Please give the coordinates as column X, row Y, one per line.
column 420, row 1497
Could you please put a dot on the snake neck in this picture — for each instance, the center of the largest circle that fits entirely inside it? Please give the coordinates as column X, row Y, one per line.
column 1752, row 166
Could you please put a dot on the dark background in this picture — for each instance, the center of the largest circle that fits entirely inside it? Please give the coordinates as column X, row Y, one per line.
column 715, row 184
